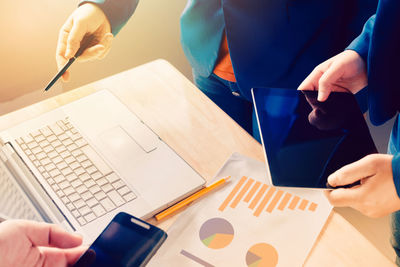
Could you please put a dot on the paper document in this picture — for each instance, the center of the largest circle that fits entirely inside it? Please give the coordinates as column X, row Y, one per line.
column 246, row 222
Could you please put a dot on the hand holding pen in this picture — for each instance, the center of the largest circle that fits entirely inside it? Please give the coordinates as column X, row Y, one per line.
column 87, row 28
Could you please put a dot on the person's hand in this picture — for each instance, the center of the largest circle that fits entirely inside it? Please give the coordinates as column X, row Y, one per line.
column 342, row 73
column 376, row 196
column 88, row 19
column 28, row 243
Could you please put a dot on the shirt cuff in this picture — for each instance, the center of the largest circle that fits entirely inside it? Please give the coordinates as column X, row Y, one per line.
column 362, row 42
column 118, row 12
column 396, row 172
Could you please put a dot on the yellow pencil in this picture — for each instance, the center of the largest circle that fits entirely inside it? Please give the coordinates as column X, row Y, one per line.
column 190, row 199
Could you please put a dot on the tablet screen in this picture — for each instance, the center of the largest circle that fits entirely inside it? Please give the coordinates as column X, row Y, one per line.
column 306, row 140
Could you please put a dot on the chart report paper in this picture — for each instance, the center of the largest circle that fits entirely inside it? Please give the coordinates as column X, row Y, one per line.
column 247, row 222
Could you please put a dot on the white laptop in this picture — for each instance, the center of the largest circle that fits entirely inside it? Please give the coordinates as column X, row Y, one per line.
column 82, row 163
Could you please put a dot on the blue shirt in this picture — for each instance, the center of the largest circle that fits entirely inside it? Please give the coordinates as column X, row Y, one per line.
column 379, row 45
column 274, row 43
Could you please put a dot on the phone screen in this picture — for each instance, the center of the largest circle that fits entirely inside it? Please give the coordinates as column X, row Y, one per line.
column 123, row 243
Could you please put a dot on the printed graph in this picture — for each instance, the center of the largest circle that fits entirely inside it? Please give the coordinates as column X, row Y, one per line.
column 262, row 197
column 216, row 233
column 262, row 255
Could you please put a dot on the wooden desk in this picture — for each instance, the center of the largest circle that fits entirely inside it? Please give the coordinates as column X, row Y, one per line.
column 205, row 137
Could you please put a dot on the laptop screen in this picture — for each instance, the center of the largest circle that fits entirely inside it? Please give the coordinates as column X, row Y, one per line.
column 306, row 140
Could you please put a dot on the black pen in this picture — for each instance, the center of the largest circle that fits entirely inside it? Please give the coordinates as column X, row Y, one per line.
column 85, row 43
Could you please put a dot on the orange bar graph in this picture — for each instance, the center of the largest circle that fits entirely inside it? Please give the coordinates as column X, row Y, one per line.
column 258, row 196
column 284, row 201
column 241, row 193
column 312, row 207
column 294, row 202
column 262, row 196
column 232, row 194
column 303, row 204
column 252, row 192
column 264, row 202
column 275, row 201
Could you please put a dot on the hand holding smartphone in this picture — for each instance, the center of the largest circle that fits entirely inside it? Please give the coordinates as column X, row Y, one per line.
column 126, row 242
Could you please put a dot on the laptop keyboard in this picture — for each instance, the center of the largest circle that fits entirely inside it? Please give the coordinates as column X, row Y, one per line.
column 12, row 201
column 78, row 175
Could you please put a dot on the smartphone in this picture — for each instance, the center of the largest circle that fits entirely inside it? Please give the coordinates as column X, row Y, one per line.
column 126, row 241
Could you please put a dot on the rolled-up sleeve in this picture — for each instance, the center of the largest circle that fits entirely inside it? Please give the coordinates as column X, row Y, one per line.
column 118, row 12
column 362, row 42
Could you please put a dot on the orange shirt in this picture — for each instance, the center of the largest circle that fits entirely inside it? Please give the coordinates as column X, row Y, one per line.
column 223, row 68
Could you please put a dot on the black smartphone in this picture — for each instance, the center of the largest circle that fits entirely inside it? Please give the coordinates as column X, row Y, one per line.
column 126, row 242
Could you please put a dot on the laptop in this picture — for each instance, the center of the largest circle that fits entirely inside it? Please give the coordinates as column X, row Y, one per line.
column 81, row 164
column 305, row 140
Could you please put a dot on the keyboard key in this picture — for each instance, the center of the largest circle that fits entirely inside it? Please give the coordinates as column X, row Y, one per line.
column 124, row 190
column 66, row 142
column 100, row 195
column 81, row 221
column 69, row 160
column 65, row 200
column 32, row 145
column 76, row 136
column 61, row 165
column 79, row 171
column 81, row 189
column 87, row 195
column 90, row 217
column 96, row 175
column 74, row 197
column 72, row 147
column 116, row 198
column 101, row 165
column 86, row 164
column 71, row 177
column 75, row 212
column 94, row 189
column 35, row 133
column 60, row 148
column 44, row 143
column 46, row 131
column 36, row 163
column 51, row 138
column 74, row 165
column 54, row 172
column 45, row 161
column 89, row 183
column 56, row 129
column 107, row 204
column 76, row 153
column 71, row 206
column 129, row 197
column 41, row 156
column 61, row 125
column 59, row 178
column 118, row 184
column 91, row 169
column 50, row 167
column 63, row 185
column 102, row 181
column 79, row 203
column 56, row 143
column 60, row 193
column 69, row 190
column 112, row 178
column 65, row 154
column 84, row 177
column 24, row 146
column 99, row 210
column 63, row 137
column 28, row 138
column 41, row 169
column 76, row 183
column 47, row 150
column 107, row 188
column 52, row 154
column 92, row 202
column 39, row 138
column 49, row 180
column 66, row 171
column 81, row 142
column 84, row 210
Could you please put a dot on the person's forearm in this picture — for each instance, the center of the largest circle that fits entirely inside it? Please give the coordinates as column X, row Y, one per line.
column 118, row 12
column 396, row 172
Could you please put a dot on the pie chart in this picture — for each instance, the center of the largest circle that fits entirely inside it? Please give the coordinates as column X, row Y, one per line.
column 262, row 255
column 216, row 233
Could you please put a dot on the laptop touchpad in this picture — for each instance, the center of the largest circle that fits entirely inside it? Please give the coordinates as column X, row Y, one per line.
column 121, row 146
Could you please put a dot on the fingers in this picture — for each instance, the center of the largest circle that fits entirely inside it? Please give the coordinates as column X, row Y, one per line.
column 353, row 172
column 62, row 46
column 43, row 234
column 60, row 257
column 343, row 197
column 98, row 51
column 311, row 82
column 327, row 81
column 75, row 36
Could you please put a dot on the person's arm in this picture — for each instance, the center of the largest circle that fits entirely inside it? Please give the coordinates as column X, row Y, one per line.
column 118, row 12
column 29, row 243
column 95, row 18
column 362, row 42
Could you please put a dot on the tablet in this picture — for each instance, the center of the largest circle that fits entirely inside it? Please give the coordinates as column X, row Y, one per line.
column 305, row 140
